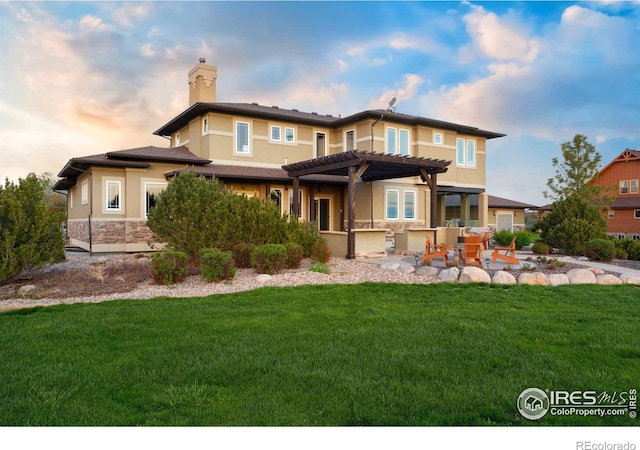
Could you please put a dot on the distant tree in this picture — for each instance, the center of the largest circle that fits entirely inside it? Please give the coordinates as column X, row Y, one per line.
column 55, row 201
column 30, row 232
column 579, row 166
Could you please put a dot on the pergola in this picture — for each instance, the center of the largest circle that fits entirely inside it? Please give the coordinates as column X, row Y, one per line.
column 370, row 166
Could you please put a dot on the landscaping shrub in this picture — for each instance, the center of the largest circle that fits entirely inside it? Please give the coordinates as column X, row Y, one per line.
column 599, row 249
column 30, row 233
column 242, row 254
column 572, row 223
column 269, row 258
column 540, row 248
column 217, row 265
column 319, row 267
column 294, row 255
column 621, row 253
column 169, row 267
column 632, row 248
column 194, row 213
column 304, row 234
column 320, row 252
column 503, row 237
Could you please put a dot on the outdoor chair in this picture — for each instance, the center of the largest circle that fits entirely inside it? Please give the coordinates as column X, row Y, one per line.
column 471, row 252
column 434, row 251
column 507, row 254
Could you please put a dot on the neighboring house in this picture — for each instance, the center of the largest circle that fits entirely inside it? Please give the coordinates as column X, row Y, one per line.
column 622, row 175
column 246, row 145
column 504, row 214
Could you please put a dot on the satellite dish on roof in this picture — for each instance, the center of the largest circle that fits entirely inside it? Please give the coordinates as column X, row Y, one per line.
column 391, row 103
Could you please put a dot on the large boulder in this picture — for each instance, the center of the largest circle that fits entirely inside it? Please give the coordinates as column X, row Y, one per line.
column 558, row 279
column 608, row 279
column 27, row 290
column 596, row 271
column 581, row 276
column 390, row 266
column 472, row 274
column 629, row 278
column 533, row 278
column 427, row 271
column 503, row 277
column 449, row 274
column 263, row 278
column 406, row 268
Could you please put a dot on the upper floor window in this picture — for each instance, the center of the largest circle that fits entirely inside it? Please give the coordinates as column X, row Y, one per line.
column 437, row 138
column 152, row 191
column 177, row 139
column 398, row 141
column 275, row 133
column 465, row 152
column 633, row 187
column 624, row 186
column 349, row 140
column 289, row 135
column 242, row 138
column 114, row 195
column 205, row 125
column 636, row 213
column 321, row 145
column 611, row 214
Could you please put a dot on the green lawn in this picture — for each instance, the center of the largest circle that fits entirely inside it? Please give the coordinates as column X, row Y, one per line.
column 370, row 354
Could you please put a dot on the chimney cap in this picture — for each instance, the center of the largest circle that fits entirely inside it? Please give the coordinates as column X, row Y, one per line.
column 202, row 60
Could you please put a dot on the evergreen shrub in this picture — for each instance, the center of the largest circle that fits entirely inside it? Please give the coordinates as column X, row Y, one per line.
column 540, row 248
column 269, row 258
column 217, row 265
column 242, row 254
column 599, row 249
column 169, row 266
column 294, row 255
column 320, row 252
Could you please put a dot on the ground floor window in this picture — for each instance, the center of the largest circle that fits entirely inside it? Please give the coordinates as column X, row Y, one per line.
column 114, row 195
column 152, row 191
column 391, row 204
column 300, row 208
column 409, row 205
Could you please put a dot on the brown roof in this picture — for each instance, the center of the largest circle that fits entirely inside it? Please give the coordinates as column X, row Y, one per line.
column 134, row 158
column 498, row 202
column 325, row 120
column 631, row 202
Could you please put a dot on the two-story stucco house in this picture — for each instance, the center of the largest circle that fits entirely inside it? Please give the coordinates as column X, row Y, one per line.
column 246, row 145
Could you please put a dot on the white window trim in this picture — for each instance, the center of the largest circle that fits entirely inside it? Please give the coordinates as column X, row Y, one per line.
column 611, row 215
column 177, row 139
column 464, row 162
column 84, row 189
column 355, row 145
column 624, row 184
column 636, row 213
column 282, row 205
column 71, row 199
column 326, row 143
column 293, row 133
column 271, row 138
column 404, row 204
column 145, row 185
column 386, row 204
column 105, row 202
column 235, row 139
column 386, row 141
column 436, row 133
column 633, row 187
column 301, row 215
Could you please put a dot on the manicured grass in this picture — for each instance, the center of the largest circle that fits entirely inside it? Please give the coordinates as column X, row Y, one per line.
column 370, row 354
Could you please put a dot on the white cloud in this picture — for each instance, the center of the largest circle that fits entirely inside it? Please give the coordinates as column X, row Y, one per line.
column 500, row 38
column 131, row 12
column 91, row 23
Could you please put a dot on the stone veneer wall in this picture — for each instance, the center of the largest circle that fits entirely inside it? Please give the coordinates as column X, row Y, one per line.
column 111, row 232
column 391, row 227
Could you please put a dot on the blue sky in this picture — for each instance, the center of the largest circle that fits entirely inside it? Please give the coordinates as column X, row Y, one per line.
column 81, row 78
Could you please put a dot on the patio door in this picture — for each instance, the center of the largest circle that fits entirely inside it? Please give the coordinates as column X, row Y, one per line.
column 322, row 206
column 504, row 222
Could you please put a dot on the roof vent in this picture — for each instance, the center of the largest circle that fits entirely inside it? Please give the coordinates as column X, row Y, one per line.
column 274, row 106
column 254, row 103
column 295, row 110
column 314, row 113
column 202, row 60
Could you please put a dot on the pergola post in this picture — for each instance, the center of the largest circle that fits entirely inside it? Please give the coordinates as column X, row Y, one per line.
column 434, row 202
column 351, row 213
column 296, row 197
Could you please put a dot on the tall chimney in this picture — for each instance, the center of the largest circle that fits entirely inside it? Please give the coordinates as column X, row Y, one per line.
column 202, row 83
